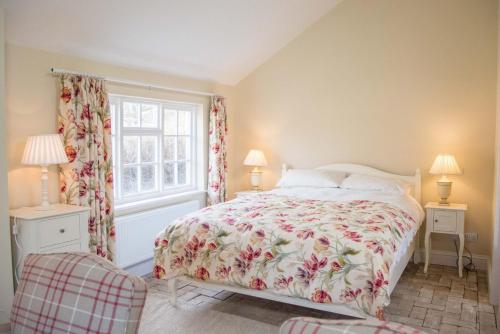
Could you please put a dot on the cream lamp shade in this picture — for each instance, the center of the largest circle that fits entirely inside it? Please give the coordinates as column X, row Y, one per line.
column 44, row 150
column 445, row 164
column 256, row 159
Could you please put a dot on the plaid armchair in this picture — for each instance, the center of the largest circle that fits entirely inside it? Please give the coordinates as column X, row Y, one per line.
column 322, row 326
column 76, row 293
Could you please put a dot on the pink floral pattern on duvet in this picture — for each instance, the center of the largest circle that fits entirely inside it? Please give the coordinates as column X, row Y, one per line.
column 324, row 251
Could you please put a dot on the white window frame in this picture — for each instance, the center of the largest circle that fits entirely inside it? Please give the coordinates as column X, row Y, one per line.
column 196, row 158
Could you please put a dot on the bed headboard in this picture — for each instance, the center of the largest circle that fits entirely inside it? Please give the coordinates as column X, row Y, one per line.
column 415, row 179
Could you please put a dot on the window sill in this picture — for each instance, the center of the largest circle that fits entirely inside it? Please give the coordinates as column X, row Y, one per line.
column 155, row 203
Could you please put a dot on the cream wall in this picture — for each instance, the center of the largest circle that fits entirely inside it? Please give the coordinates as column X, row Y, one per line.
column 385, row 83
column 32, row 99
column 494, row 277
column 6, row 280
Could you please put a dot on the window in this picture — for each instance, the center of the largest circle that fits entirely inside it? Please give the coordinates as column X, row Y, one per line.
column 154, row 147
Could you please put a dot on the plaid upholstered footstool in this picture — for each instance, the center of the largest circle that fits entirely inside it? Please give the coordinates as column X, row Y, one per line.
column 76, row 293
column 321, row 326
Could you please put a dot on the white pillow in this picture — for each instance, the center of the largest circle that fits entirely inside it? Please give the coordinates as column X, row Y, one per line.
column 367, row 182
column 311, row 178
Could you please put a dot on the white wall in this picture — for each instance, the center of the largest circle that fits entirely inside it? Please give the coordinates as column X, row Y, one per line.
column 6, row 283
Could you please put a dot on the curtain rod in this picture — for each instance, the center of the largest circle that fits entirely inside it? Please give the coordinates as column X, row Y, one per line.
column 59, row 71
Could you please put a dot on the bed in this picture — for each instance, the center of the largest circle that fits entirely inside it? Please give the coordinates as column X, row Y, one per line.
column 331, row 249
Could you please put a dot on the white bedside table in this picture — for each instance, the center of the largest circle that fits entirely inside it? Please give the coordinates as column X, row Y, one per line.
column 240, row 194
column 447, row 219
column 63, row 228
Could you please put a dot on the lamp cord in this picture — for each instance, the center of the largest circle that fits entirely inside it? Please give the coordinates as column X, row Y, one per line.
column 20, row 250
column 469, row 267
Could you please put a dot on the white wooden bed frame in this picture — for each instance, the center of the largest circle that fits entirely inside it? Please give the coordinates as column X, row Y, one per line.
column 396, row 270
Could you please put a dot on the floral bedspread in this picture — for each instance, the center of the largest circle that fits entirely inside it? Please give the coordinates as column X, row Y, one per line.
column 324, row 251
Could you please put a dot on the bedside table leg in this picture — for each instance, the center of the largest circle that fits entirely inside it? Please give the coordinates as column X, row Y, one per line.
column 460, row 255
column 427, row 250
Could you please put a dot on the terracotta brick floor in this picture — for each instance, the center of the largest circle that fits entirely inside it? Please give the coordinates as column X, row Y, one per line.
column 442, row 302
column 437, row 302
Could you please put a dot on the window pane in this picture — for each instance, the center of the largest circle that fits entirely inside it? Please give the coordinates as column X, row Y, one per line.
column 129, row 184
column 169, row 148
column 112, row 115
column 131, row 114
column 149, row 116
column 184, row 122
column 168, row 175
column 113, row 151
column 145, row 160
column 170, row 122
column 148, row 178
column 130, row 149
column 183, row 173
column 115, row 188
column 148, row 148
column 183, row 148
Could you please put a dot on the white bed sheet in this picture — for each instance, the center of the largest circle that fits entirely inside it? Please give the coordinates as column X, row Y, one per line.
column 403, row 201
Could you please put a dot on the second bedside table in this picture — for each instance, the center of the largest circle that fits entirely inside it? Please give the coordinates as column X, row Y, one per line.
column 447, row 219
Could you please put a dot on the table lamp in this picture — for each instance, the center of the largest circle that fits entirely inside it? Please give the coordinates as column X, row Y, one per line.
column 44, row 150
column 256, row 159
column 445, row 164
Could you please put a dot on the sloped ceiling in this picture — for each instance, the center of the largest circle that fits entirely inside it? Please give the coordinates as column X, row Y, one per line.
column 217, row 40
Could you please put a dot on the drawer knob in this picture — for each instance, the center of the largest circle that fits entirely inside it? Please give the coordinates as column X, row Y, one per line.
column 62, row 230
column 435, row 220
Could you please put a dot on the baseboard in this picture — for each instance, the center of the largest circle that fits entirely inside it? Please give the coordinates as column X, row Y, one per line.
column 448, row 258
column 142, row 268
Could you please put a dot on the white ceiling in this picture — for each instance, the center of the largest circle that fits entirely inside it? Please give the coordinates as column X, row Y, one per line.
column 219, row 40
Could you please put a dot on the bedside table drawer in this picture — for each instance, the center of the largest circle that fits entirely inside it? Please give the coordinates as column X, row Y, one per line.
column 445, row 221
column 59, row 230
column 74, row 247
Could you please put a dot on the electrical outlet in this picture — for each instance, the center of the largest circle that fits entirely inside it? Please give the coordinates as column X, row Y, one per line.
column 471, row 236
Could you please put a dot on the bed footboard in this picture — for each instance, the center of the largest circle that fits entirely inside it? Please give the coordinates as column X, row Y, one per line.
column 332, row 308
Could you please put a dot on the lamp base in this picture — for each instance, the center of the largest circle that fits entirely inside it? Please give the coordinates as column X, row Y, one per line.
column 444, row 190
column 256, row 179
column 45, row 206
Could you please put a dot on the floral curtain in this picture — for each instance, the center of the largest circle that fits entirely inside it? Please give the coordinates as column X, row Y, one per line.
column 85, row 125
column 217, row 151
